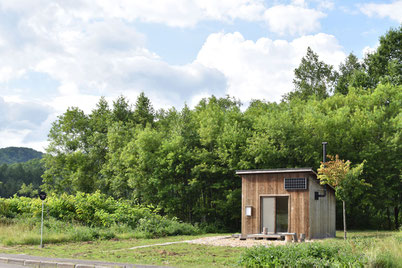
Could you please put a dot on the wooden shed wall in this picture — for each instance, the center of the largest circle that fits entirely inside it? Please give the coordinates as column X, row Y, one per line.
column 322, row 212
column 255, row 186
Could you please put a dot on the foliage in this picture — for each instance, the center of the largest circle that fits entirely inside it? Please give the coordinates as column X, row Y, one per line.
column 351, row 74
column 339, row 175
column 184, row 163
column 94, row 210
column 28, row 190
column 12, row 155
column 13, row 177
column 312, row 77
column 385, row 64
column 302, row 255
column 363, row 249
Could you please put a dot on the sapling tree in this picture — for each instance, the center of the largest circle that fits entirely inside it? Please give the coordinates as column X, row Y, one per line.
column 345, row 180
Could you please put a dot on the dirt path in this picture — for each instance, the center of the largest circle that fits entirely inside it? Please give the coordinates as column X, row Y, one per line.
column 223, row 241
column 162, row 244
column 228, row 241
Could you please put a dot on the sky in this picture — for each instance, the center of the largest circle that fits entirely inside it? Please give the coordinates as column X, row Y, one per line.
column 56, row 54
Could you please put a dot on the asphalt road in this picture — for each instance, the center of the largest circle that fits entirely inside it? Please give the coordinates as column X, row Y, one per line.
column 62, row 260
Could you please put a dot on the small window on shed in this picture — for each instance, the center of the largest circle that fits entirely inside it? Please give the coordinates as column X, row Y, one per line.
column 295, row 184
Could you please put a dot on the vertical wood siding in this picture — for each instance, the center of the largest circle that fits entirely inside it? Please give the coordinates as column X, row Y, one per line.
column 254, row 186
column 322, row 212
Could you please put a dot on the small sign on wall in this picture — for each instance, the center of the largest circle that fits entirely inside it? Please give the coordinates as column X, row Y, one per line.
column 249, row 211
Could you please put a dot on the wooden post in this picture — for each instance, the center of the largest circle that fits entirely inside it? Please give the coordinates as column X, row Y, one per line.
column 295, row 237
column 344, row 220
column 288, row 238
column 302, row 237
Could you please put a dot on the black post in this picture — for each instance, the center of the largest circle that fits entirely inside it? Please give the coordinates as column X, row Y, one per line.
column 317, row 195
column 324, row 151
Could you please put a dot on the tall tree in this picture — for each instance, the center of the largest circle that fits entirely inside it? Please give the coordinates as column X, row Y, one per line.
column 351, row 73
column 144, row 113
column 100, row 120
column 312, row 78
column 122, row 110
column 66, row 159
column 385, row 64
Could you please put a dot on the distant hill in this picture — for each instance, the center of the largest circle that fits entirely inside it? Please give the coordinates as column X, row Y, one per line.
column 11, row 155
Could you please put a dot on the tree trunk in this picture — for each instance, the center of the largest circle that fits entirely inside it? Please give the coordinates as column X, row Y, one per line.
column 396, row 215
column 389, row 219
column 344, row 219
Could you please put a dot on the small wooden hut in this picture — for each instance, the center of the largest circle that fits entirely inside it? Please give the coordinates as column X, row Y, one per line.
column 286, row 201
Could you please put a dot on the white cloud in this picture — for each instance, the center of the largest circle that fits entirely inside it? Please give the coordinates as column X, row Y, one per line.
column 369, row 50
column 22, row 115
column 263, row 69
column 392, row 10
column 324, row 4
column 24, row 123
column 175, row 13
column 92, row 48
column 89, row 54
column 182, row 13
column 293, row 19
column 21, row 138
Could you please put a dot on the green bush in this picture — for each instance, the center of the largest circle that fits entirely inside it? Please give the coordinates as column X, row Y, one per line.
column 97, row 210
column 105, row 216
column 158, row 226
column 301, row 255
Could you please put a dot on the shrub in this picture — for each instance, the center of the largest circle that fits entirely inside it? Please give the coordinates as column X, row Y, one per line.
column 105, row 215
column 95, row 209
column 161, row 226
column 301, row 255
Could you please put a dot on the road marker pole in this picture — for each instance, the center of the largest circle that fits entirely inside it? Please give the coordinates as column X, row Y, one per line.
column 42, row 196
column 41, row 228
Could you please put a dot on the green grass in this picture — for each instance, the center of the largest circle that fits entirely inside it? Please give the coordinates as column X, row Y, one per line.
column 27, row 232
column 115, row 250
column 362, row 249
column 381, row 248
column 378, row 248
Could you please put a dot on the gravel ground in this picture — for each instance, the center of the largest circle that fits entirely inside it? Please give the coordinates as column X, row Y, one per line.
column 228, row 241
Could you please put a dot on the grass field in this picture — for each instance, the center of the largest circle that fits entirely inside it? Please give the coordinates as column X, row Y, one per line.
column 378, row 248
column 116, row 250
column 27, row 232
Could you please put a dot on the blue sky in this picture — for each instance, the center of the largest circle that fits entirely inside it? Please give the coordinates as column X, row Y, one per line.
column 56, row 54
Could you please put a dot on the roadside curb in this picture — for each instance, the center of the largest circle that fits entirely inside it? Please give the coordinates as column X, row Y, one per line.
column 50, row 264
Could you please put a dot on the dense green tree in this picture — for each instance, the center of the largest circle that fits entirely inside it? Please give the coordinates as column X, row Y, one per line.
column 28, row 190
column 385, row 64
column 144, row 113
column 183, row 163
column 312, row 78
column 122, row 110
column 14, row 176
column 351, row 74
column 67, row 162
column 99, row 121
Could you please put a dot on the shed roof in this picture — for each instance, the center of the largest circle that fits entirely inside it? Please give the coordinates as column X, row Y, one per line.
column 277, row 170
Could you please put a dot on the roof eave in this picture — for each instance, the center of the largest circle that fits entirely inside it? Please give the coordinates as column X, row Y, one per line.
column 273, row 171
